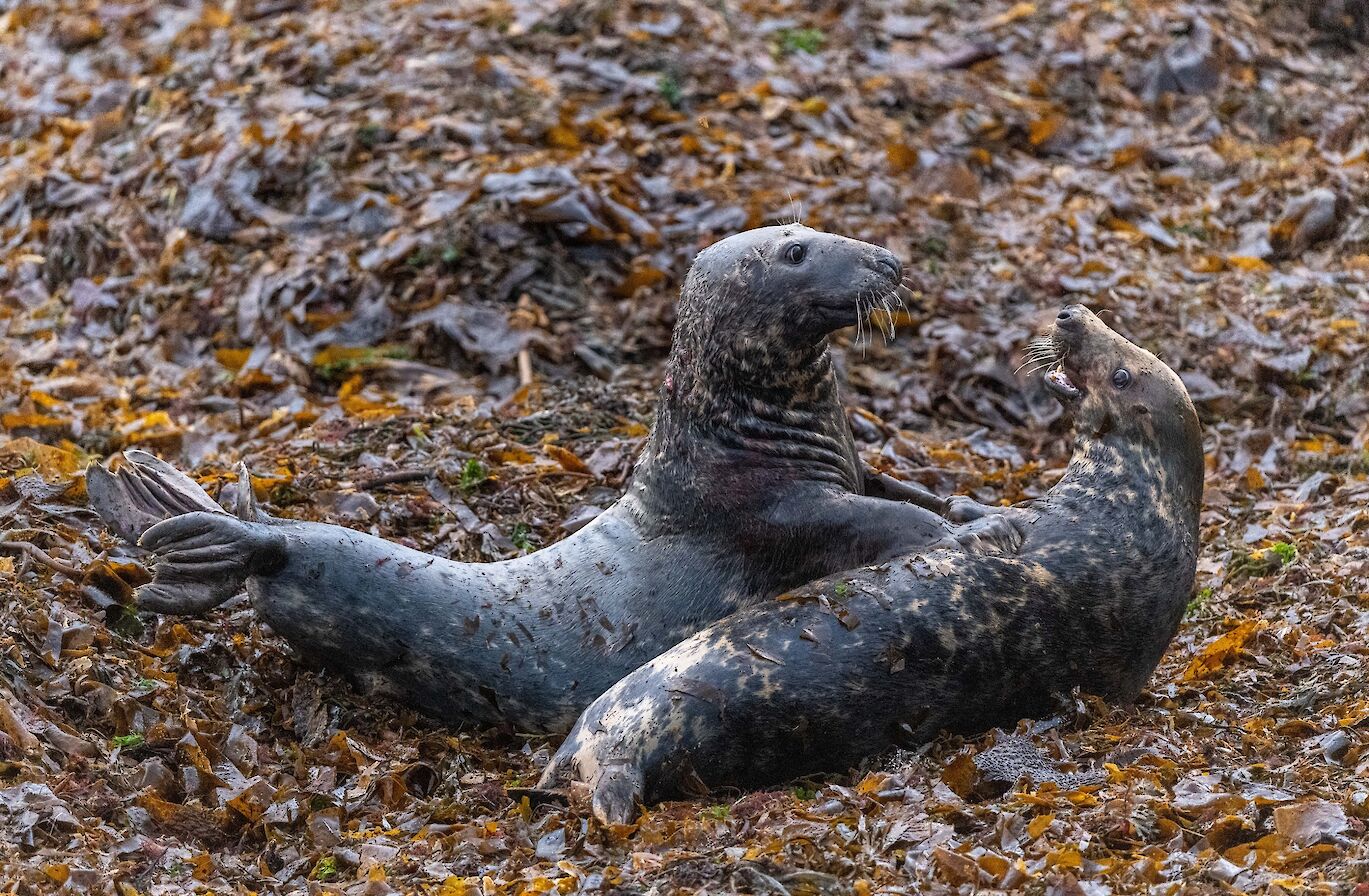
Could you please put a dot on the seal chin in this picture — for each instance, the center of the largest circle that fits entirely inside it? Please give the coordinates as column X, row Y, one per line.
column 851, row 301
column 1060, row 384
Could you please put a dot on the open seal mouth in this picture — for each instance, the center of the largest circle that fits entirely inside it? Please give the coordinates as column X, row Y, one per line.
column 1059, row 382
column 1049, row 352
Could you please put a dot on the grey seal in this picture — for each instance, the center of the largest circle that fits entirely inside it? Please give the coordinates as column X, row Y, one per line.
column 891, row 654
column 749, row 484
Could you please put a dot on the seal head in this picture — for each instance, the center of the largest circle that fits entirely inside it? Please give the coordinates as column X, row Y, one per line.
column 749, row 367
column 786, row 285
column 1113, row 385
column 1121, row 395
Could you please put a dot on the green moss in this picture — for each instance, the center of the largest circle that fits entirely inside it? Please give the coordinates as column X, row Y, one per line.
column 370, row 135
column 325, row 869
column 670, row 90
column 1199, row 600
column 342, row 368
column 1264, row 561
column 522, row 537
column 473, row 474
column 124, row 620
column 795, row 40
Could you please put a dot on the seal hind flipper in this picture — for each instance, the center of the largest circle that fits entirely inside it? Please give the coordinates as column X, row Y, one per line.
column 617, row 786
column 204, row 558
column 616, row 792
column 143, row 491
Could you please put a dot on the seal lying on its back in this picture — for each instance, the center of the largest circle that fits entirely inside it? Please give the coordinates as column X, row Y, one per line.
column 749, row 484
column 847, row 667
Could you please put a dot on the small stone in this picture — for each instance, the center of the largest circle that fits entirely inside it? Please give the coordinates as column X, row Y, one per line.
column 1308, row 219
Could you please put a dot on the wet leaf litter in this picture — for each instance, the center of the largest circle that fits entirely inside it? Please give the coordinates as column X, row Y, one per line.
column 415, row 265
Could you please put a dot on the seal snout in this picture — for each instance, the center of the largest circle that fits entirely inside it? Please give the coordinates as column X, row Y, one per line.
column 886, row 262
column 1071, row 318
column 1071, row 330
column 1067, row 339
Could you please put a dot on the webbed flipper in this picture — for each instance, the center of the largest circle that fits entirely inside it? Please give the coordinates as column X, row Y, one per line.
column 203, row 553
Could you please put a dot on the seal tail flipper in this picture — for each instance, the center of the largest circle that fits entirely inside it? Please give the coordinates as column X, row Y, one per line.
column 205, row 557
column 142, row 492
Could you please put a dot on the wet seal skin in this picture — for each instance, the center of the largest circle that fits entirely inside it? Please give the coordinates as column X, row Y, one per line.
column 748, row 485
column 892, row 654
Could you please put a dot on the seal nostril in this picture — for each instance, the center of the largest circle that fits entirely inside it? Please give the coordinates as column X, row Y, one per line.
column 889, row 262
column 1064, row 315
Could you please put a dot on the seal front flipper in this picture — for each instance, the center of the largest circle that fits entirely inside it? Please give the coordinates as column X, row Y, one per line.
column 964, row 509
column 204, row 558
column 886, row 487
column 992, row 534
column 876, row 530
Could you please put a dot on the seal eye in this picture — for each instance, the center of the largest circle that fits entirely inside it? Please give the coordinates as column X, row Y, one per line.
column 794, row 253
column 1121, row 378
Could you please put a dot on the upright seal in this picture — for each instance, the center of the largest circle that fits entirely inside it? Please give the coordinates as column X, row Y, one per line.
column 749, row 484
column 847, row 667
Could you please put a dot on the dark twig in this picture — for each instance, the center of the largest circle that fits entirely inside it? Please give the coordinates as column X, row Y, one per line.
column 36, row 553
column 395, row 478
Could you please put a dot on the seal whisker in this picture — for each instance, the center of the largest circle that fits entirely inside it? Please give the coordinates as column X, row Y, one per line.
column 888, row 316
column 1034, row 364
column 1031, row 356
column 898, row 297
column 860, row 320
column 867, row 311
column 857, row 301
column 868, row 299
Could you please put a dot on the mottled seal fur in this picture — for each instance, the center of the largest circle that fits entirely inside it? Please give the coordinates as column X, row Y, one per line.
column 749, row 484
column 894, row 653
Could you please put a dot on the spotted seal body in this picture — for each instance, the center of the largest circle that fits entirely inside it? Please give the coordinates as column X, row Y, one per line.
column 893, row 653
column 749, row 484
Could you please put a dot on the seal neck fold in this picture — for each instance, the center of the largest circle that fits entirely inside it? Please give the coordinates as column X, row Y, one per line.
column 781, row 409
